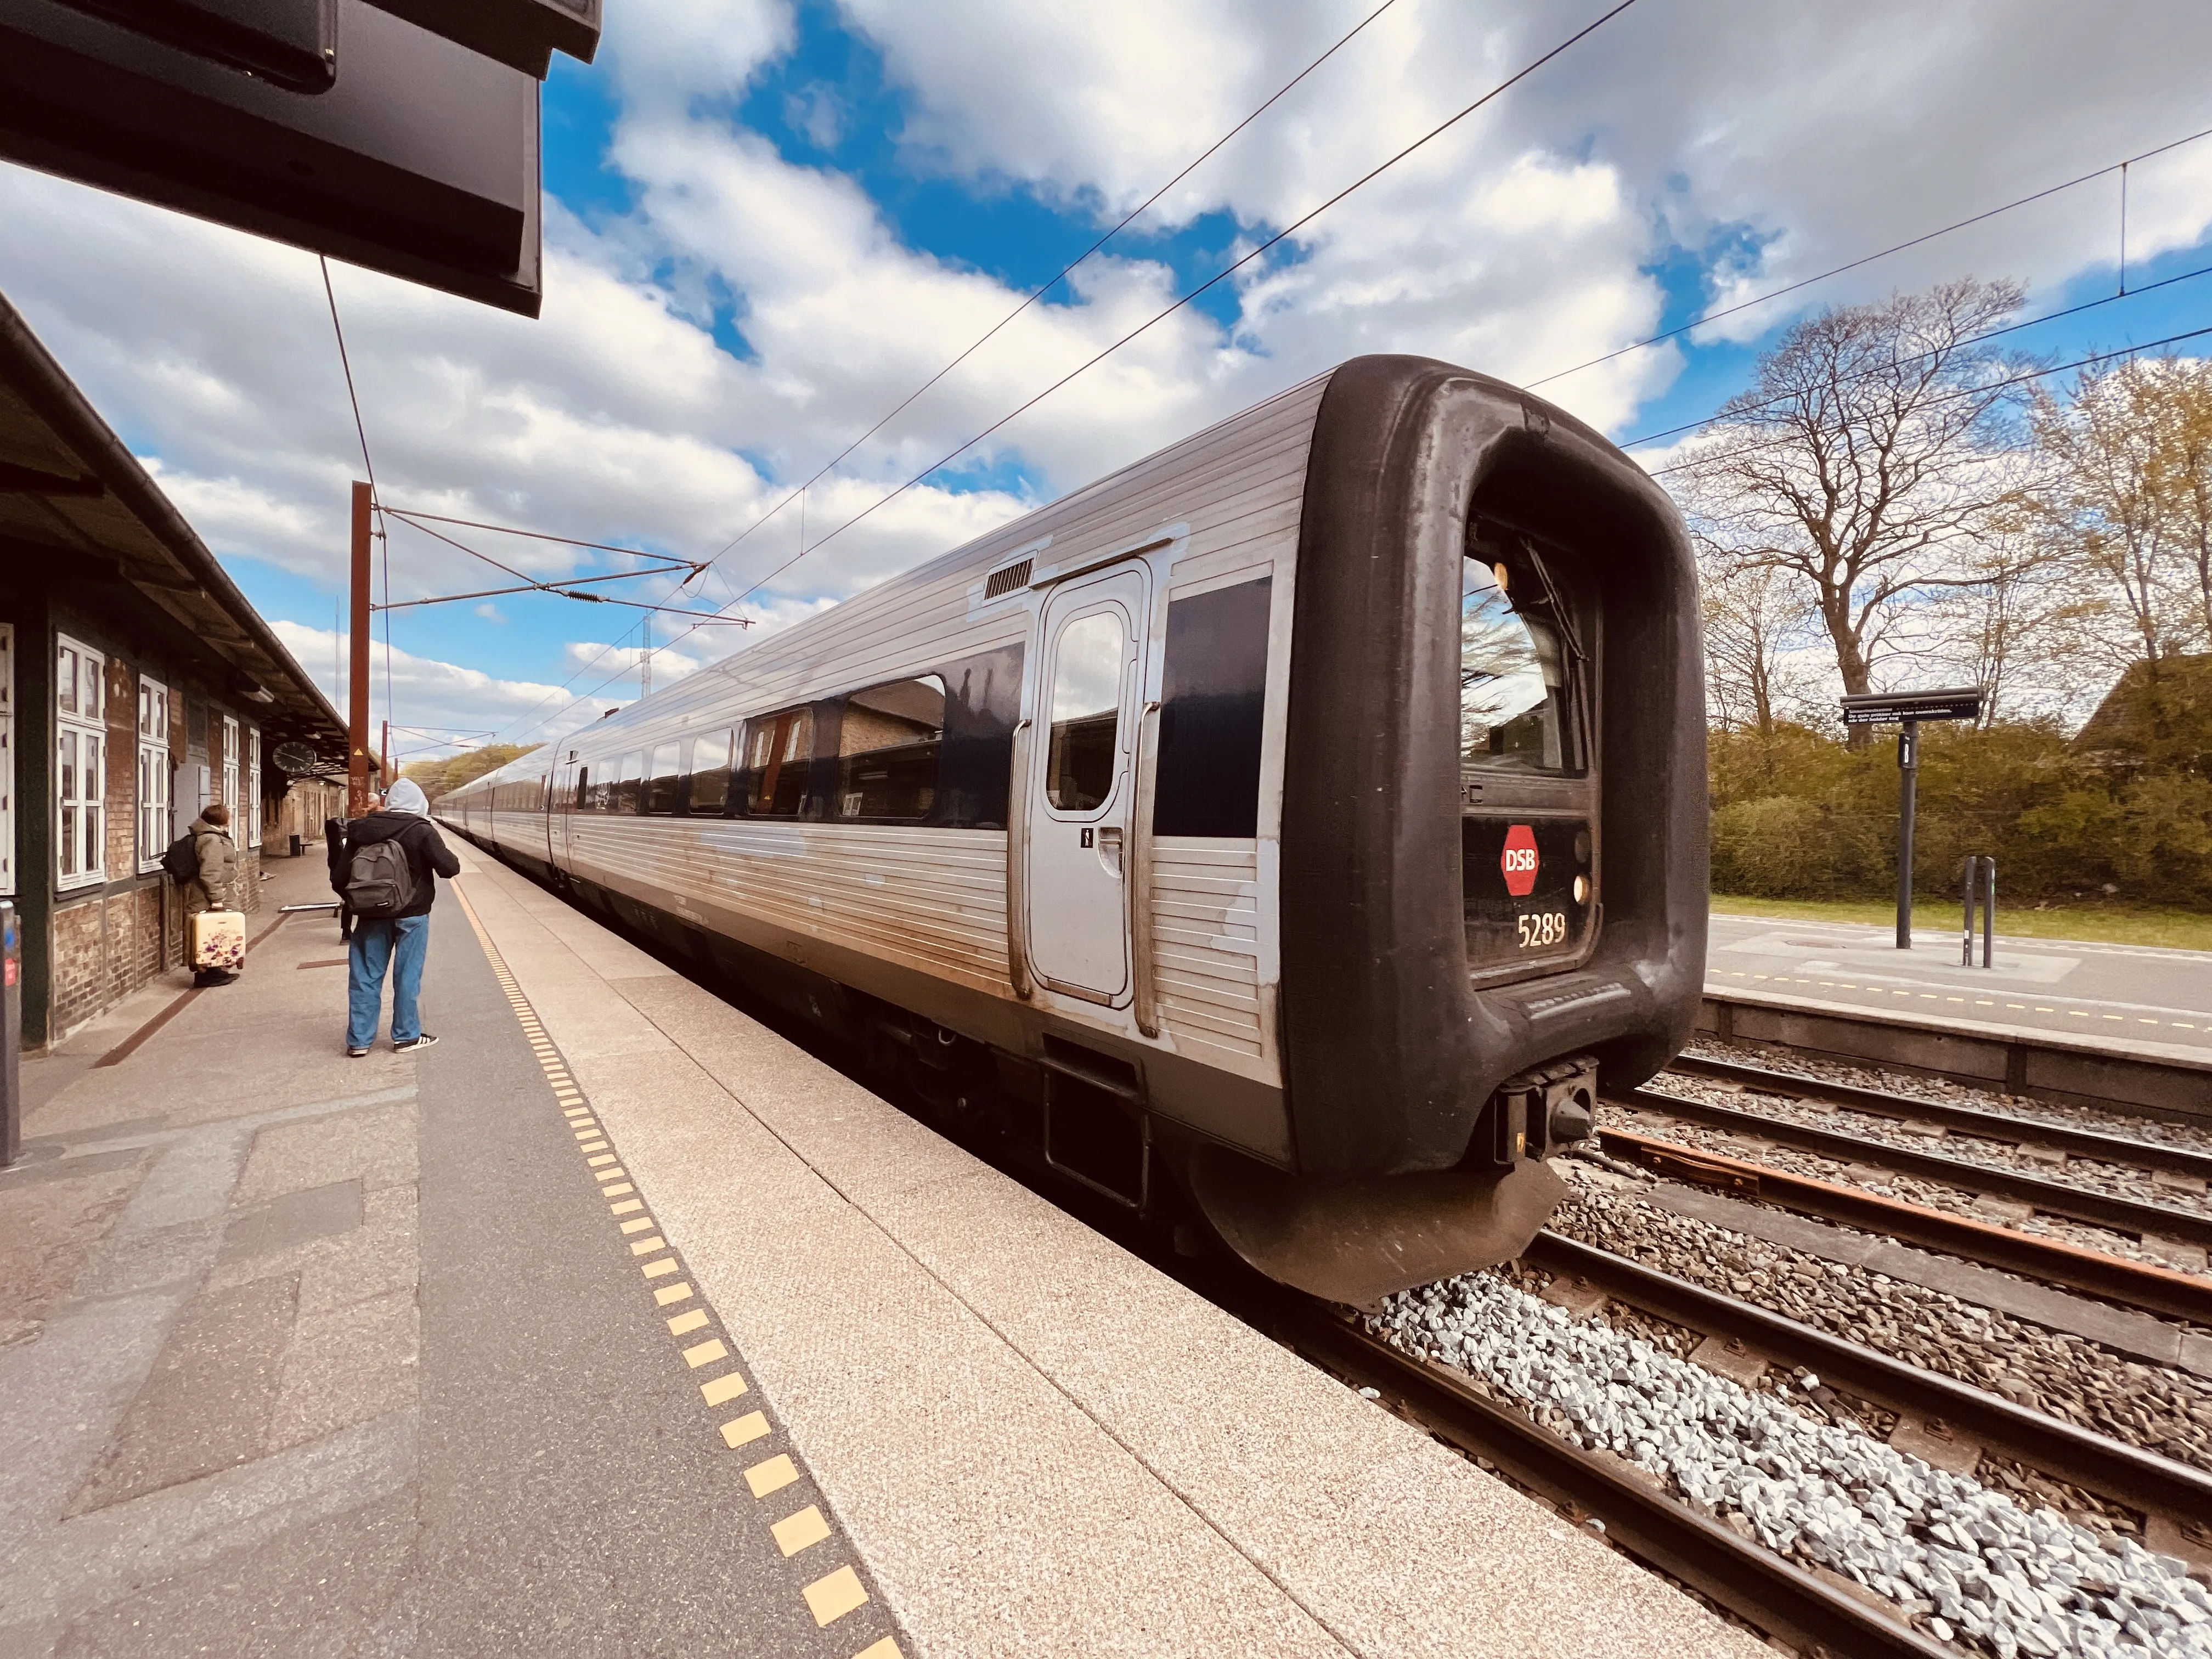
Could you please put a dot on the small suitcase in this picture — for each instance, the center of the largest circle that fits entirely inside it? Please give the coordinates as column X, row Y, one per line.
column 218, row 939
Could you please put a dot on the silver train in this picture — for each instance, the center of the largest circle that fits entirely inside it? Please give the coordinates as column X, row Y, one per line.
column 1288, row 831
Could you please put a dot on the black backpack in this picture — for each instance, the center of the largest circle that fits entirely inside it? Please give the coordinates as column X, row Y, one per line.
column 380, row 880
column 182, row 861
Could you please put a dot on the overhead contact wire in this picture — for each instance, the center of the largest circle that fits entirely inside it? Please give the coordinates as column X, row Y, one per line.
column 1220, row 276
column 1060, row 276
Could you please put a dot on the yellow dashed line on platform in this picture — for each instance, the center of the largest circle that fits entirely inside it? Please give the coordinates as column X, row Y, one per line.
column 833, row 1594
column 743, row 1431
column 801, row 1531
column 831, row 1598
column 723, row 1389
column 772, row 1476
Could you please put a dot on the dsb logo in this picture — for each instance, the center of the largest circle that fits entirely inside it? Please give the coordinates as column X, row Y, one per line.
column 1517, row 863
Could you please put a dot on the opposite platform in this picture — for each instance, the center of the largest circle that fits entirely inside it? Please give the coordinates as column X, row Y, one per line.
column 1035, row 1443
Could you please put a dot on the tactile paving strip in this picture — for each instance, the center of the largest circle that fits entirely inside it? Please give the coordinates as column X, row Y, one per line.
column 836, row 1592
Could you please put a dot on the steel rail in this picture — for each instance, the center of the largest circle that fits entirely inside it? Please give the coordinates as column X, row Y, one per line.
column 2115, row 1278
column 2129, row 1474
column 1988, row 1125
column 2126, row 1215
column 1760, row 1587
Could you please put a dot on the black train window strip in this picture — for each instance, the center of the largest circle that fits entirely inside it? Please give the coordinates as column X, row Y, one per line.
column 1212, row 704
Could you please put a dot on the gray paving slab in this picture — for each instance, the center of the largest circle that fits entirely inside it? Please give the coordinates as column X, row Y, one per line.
column 206, row 1404
column 357, row 1362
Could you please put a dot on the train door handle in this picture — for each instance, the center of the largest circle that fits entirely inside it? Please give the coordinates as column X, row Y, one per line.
column 1109, row 846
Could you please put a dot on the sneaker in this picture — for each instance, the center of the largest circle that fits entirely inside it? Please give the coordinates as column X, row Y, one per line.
column 422, row 1042
column 356, row 1054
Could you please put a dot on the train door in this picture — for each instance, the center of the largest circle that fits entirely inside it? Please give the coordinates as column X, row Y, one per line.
column 562, row 814
column 1082, row 781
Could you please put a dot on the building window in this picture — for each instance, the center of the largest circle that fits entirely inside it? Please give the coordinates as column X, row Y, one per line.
column 153, row 773
column 7, row 758
column 81, row 764
column 229, row 762
column 253, row 787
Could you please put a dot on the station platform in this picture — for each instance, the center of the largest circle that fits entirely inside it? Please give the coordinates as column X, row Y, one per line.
column 2145, row 1001
column 616, row 1324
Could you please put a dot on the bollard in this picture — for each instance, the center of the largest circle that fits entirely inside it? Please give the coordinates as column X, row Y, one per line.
column 298, row 848
column 11, row 1035
column 1981, row 882
column 1989, row 907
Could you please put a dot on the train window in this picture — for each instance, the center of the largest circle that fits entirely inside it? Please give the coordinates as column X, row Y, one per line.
column 628, row 781
column 1086, row 711
column 779, row 755
column 1515, row 706
column 583, row 801
column 662, row 777
column 889, row 742
column 1212, row 700
column 711, row 761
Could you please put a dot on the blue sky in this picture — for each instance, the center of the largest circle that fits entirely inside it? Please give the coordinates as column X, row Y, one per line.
column 768, row 223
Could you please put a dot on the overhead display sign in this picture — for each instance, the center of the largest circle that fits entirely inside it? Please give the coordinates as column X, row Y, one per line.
column 409, row 147
column 1893, row 707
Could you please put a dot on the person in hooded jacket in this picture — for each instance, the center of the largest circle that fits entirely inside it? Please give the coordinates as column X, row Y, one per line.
column 397, row 944
column 216, row 887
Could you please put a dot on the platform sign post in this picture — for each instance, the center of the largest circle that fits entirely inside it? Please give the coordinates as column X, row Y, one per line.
column 1905, row 710
column 357, row 664
column 11, row 1035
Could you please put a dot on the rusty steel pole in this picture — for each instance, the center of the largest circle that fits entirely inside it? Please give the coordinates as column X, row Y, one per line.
column 357, row 687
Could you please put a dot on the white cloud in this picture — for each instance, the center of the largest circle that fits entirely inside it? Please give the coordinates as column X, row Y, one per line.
column 1519, row 244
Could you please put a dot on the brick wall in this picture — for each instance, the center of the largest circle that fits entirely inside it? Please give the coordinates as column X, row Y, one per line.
column 80, row 967
column 105, row 945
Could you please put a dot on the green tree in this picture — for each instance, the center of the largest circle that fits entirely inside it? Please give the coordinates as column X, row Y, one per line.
column 448, row 773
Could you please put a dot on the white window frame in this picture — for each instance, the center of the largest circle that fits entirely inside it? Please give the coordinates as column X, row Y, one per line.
column 227, row 777
column 7, row 758
column 253, row 786
column 154, row 782
column 81, row 753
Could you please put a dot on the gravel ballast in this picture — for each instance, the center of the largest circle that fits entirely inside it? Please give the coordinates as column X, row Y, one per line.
column 1965, row 1564
column 2154, row 1407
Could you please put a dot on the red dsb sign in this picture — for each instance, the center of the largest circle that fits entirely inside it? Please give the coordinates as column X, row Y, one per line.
column 1518, row 860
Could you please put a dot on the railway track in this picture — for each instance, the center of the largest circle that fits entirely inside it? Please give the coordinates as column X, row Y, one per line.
column 2131, row 1283
column 1977, row 1122
column 1766, row 1590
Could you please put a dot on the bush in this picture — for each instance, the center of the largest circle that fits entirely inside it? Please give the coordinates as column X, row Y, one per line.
column 1797, row 814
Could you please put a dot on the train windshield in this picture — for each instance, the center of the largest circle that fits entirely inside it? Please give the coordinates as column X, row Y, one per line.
column 1515, row 673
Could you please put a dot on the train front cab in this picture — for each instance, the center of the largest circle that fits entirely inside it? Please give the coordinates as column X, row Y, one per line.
column 1496, row 699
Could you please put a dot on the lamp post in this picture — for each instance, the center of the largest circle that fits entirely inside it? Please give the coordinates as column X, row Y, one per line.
column 1905, row 710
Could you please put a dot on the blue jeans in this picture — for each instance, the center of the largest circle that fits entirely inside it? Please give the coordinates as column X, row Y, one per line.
column 401, row 944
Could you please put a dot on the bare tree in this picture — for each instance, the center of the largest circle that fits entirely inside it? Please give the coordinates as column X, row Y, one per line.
column 1866, row 459
column 2128, row 498
column 1755, row 618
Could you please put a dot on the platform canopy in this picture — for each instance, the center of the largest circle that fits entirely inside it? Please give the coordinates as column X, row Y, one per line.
column 401, row 134
column 75, row 501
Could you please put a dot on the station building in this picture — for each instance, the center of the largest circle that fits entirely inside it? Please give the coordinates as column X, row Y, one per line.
column 137, row 685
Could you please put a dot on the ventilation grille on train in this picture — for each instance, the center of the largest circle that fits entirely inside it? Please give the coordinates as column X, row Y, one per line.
column 1005, row 581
